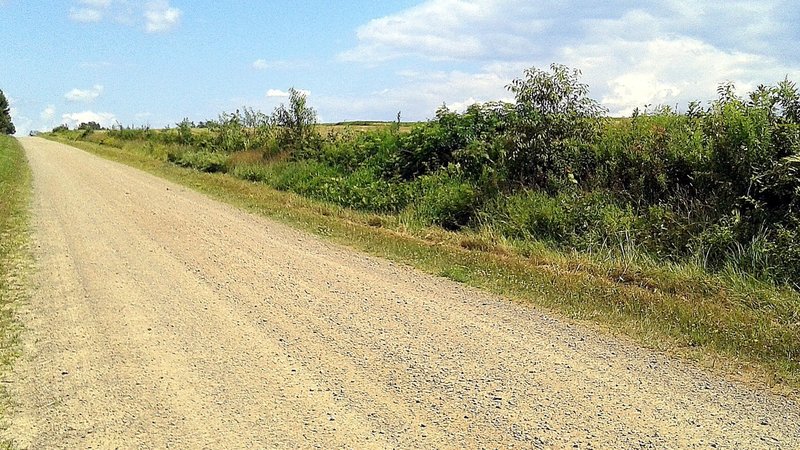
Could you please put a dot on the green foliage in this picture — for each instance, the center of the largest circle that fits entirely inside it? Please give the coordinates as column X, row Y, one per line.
column 6, row 125
column 553, row 123
column 203, row 161
column 445, row 200
column 585, row 221
column 297, row 124
column 15, row 255
column 718, row 185
column 89, row 126
column 783, row 252
column 467, row 139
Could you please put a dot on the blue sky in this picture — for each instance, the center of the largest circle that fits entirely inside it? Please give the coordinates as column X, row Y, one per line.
column 155, row 62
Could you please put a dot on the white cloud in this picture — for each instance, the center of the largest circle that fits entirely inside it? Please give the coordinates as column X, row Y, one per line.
column 420, row 94
column 161, row 17
column 13, row 111
column 89, row 11
column 673, row 71
column 22, row 123
column 85, row 15
column 670, row 52
column 263, row 64
column 84, row 95
column 272, row 93
column 48, row 113
column 155, row 16
column 74, row 119
column 451, row 30
column 96, row 3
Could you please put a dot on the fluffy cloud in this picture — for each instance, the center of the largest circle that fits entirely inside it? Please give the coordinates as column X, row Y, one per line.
column 419, row 94
column 272, row 93
column 161, row 17
column 96, row 3
column 85, row 15
column 631, row 55
column 84, row 95
column 450, row 30
column 158, row 15
column 263, row 64
column 21, row 122
column 74, row 119
column 48, row 113
column 624, row 74
column 523, row 30
column 89, row 11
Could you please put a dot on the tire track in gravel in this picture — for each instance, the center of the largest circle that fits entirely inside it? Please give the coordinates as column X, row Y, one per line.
column 161, row 318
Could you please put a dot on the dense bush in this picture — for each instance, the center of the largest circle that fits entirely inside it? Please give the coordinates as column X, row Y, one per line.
column 200, row 160
column 446, row 200
column 553, row 124
column 719, row 184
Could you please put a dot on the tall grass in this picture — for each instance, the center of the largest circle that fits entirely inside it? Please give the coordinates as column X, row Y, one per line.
column 14, row 260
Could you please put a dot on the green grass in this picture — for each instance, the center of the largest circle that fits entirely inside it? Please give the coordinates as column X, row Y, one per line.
column 15, row 189
column 736, row 325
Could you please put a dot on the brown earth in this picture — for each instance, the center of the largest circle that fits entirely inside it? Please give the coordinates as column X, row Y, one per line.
column 160, row 318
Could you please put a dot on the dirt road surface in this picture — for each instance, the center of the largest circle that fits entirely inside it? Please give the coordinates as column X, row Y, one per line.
column 162, row 319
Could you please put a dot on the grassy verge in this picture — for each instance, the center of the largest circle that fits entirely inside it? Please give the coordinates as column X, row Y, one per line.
column 744, row 328
column 15, row 191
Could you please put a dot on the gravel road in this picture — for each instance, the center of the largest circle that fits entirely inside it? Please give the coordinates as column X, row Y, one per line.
column 162, row 319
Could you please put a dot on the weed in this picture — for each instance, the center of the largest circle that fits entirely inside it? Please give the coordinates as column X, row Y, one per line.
column 15, row 191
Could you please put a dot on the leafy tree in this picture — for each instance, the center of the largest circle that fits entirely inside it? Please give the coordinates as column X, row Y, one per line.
column 297, row 123
column 554, row 122
column 6, row 127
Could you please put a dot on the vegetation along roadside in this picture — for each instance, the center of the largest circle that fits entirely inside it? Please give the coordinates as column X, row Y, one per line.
column 15, row 188
column 677, row 229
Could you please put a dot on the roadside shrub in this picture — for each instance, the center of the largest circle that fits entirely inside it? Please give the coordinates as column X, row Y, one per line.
column 427, row 148
column 310, row 178
column 376, row 150
column 445, row 200
column 554, row 121
column 297, row 125
column 467, row 139
column 200, row 160
column 582, row 221
column 599, row 220
column 784, row 254
column 251, row 172
column 648, row 157
column 364, row 190
column 530, row 214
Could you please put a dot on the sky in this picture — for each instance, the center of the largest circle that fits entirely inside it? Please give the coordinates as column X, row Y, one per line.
column 156, row 62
